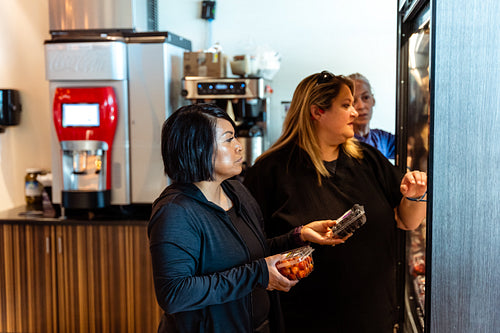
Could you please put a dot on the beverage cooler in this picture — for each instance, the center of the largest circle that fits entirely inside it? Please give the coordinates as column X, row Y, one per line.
column 413, row 120
column 448, row 116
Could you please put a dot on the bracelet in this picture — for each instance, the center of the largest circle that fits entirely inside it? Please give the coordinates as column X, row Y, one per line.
column 296, row 236
column 421, row 199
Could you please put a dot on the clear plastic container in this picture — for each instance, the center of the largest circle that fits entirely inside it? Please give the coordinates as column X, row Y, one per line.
column 298, row 263
column 350, row 221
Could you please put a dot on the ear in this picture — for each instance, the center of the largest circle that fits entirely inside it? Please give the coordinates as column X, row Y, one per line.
column 316, row 112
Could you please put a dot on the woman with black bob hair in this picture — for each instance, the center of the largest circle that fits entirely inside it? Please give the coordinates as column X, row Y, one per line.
column 212, row 266
column 188, row 150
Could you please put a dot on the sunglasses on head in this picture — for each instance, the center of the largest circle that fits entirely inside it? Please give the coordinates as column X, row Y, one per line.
column 324, row 77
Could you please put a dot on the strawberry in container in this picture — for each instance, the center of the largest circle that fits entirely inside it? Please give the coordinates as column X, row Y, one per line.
column 297, row 264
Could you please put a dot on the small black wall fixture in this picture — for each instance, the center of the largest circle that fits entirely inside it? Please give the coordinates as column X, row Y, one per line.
column 10, row 108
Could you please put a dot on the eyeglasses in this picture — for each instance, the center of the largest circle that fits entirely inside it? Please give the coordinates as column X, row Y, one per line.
column 324, row 77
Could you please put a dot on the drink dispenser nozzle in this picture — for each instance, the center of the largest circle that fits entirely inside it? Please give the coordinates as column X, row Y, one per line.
column 84, row 165
column 80, row 162
column 85, row 161
column 98, row 163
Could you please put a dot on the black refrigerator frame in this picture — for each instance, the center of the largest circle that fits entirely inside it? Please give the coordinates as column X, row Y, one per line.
column 461, row 291
column 414, row 21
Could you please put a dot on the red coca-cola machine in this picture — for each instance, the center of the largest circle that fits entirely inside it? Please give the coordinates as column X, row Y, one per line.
column 85, row 120
column 110, row 93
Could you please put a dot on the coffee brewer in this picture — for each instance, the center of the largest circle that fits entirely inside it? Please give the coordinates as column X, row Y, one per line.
column 246, row 100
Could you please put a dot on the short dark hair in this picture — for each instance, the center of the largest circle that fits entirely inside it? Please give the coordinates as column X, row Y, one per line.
column 188, row 142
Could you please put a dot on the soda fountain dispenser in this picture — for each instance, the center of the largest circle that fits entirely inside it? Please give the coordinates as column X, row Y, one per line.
column 110, row 93
column 85, row 121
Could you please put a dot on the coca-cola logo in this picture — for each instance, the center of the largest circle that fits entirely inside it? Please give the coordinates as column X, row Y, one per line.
column 78, row 62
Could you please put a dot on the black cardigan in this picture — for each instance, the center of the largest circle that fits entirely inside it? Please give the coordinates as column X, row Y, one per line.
column 202, row 272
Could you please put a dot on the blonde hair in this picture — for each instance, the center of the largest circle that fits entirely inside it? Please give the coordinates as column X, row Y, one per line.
column 362, row 78
column 298, row 126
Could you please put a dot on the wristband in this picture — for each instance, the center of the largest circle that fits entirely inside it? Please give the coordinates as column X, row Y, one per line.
column 421, row 199
column 296, row 236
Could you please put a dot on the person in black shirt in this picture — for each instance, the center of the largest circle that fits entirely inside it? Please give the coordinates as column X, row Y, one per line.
column 212, row 266
column 316, row 170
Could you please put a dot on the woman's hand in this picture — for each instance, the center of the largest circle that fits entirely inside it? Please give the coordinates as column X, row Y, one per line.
column 320, row 232
column 410, row 213
column 276, row 280
column 414, row 184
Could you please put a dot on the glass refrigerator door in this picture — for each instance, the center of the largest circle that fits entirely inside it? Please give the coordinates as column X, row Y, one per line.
column 417, row 151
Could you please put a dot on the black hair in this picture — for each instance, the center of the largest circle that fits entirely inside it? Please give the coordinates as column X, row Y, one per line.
column 188, row 142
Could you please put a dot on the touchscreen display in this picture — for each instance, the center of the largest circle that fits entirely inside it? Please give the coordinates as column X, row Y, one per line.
column 80, row 115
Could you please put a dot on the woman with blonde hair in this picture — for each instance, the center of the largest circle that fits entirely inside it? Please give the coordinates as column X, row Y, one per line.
column 317, row 170
column 364, row 101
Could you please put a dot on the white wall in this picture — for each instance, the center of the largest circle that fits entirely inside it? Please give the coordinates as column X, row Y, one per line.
column 24, row 25
column 341, row 36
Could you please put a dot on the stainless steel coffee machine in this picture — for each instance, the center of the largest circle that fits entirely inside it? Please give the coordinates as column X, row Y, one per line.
column 246, row 100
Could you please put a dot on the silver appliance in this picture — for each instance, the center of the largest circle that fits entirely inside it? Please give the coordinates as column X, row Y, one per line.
column 246, row 100
column 144, row 70
column 102, row 15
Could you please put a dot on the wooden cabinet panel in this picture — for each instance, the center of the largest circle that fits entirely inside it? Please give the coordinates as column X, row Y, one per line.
column 76, row 278
column 41, row 282
column 104, row 273
column 146, row 312
column 27, row 291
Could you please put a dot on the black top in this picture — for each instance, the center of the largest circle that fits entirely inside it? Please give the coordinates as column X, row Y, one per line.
column 353, row 285
column 260, row 297
column 203, row 271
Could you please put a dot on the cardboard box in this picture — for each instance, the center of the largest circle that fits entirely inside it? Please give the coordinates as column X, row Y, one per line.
column 205, row 64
